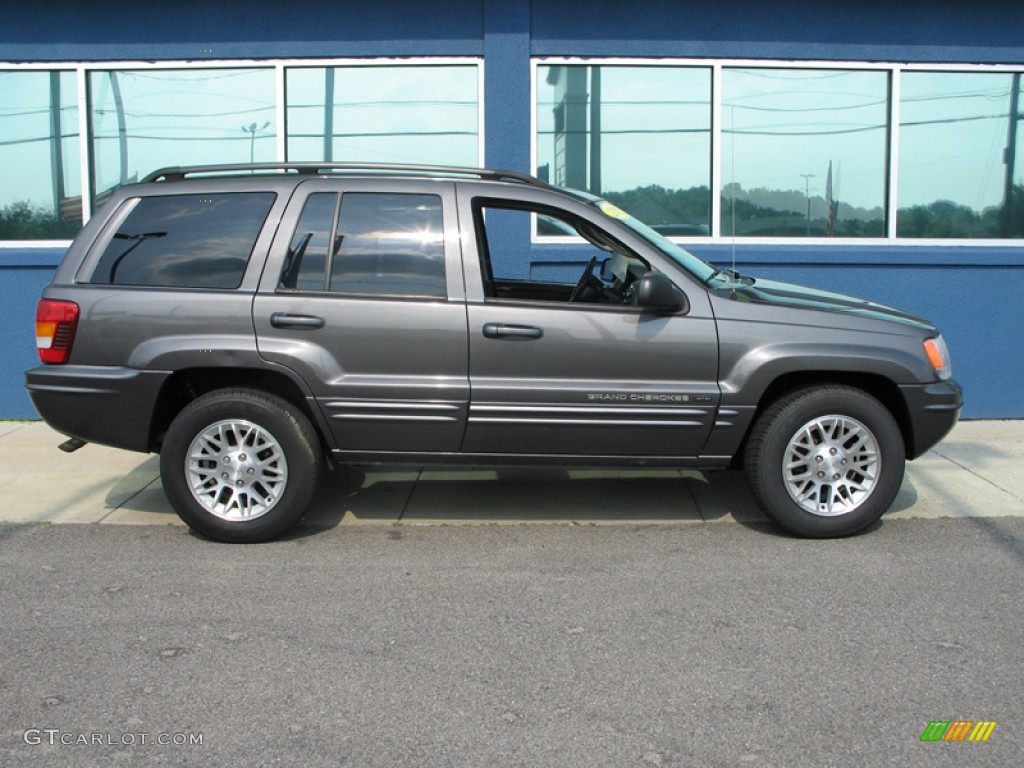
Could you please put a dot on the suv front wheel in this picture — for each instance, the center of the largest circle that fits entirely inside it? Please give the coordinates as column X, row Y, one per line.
column 826, row 461
column 240, row 465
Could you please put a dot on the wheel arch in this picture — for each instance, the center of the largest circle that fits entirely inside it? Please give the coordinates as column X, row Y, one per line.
column 882, row 388
column 184, row 386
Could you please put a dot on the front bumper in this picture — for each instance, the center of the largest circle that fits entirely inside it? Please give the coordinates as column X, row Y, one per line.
column 933, row 410
column 98, row 404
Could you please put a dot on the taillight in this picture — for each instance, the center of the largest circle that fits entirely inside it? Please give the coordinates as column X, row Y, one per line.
column 56, row 322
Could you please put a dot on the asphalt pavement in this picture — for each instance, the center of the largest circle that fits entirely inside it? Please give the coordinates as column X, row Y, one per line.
column 509, row 618
column 411, row 646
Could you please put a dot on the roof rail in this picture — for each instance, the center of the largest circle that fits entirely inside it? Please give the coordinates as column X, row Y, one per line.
column 179, row 173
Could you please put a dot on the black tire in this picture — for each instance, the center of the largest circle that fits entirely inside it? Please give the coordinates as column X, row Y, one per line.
column 854, row 465
column 271, row 465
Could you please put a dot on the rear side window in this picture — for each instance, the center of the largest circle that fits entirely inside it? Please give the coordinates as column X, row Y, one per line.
column 185, row 241
column 376, row 244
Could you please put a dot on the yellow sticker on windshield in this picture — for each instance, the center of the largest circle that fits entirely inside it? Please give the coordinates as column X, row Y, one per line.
column 613, row 210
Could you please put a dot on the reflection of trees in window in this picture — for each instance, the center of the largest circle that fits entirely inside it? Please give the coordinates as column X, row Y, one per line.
column 790, row 213
column 673, row 212
column 24, row 220
column 38, row 153
column 958, row 173
column 804, row 152
column 639, row 136
column 946, row 219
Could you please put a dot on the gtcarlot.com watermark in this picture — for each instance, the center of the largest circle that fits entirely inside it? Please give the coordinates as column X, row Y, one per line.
column 57, row 737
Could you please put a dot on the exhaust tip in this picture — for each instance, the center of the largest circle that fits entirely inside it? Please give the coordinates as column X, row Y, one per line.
column 71, row 445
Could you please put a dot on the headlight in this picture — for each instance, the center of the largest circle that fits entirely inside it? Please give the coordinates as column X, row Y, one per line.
column 938, row 355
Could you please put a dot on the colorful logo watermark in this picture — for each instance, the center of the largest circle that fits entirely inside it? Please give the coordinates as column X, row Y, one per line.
column 958, row 730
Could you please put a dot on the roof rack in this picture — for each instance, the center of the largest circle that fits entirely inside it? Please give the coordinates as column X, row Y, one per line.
column 179, row 173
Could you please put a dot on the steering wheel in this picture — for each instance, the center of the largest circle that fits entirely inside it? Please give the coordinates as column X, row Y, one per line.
column 584, row 279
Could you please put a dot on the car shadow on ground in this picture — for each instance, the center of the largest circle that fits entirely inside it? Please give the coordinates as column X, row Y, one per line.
column 416, row 496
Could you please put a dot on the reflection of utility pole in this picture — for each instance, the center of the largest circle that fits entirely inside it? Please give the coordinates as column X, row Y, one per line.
column 57, row 145
column 328, row 114
column 595, row 130
column 1009, row 158
column 252, row 130
column 807, row 194
column 122, row 128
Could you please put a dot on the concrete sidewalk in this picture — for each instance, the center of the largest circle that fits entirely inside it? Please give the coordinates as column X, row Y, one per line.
column 976, row 472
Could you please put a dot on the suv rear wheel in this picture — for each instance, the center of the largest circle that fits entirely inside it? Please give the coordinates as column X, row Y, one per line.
column 240, row 465
column 826, row 461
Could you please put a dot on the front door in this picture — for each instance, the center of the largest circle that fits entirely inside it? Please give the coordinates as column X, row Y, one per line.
column 562, row 369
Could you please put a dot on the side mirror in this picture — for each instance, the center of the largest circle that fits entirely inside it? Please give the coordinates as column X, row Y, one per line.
column 654, row 291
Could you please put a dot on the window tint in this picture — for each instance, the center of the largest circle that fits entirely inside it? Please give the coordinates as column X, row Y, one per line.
column 389, row 244
column 196, row 241
column 305, row 265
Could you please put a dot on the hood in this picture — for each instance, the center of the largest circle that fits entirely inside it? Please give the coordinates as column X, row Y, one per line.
column 798, row 296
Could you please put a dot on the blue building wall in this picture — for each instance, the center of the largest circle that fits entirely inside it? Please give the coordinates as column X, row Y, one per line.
column 974, row 293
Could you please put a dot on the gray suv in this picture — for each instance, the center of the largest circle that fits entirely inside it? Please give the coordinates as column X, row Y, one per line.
column 253, row 323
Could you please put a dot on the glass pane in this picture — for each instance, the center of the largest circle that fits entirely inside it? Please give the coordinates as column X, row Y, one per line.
column 397, row 114
column 305, row 267
column 197, row 241
column 961, row 171
column 804, row 152
column 147, row 119
column 389, row 245
column 40, row 187
column 638, row 136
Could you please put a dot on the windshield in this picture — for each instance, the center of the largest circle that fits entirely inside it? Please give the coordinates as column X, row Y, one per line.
column 699, row 269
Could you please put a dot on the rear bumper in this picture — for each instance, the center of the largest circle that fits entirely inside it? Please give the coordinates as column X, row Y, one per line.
column 99, row 404
column 934, row 410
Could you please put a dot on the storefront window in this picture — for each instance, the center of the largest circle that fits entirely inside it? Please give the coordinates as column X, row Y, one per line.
column 961, row 169
column 638, row 136
column 143, row 120
column 804, row 152
column 391, row 114
column 40, row 185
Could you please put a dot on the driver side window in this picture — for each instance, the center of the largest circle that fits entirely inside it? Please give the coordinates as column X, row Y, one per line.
column 516, row 269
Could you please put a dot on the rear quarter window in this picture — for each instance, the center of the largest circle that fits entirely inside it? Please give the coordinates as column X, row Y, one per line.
column 186, row 241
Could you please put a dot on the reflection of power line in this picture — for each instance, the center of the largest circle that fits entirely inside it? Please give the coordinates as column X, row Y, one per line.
column 394, row 103
column 186, row 115
column 382, row 134
column 175, row 75
column 626, row 131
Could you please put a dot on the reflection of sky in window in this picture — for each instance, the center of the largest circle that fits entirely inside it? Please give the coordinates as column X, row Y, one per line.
column 25, row 137
column 655, row 126
column 418, row 114
column 183, row 117
column 953, row 130
column 781, row 124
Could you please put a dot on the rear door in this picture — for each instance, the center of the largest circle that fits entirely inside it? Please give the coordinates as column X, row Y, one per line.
column 363, row 297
